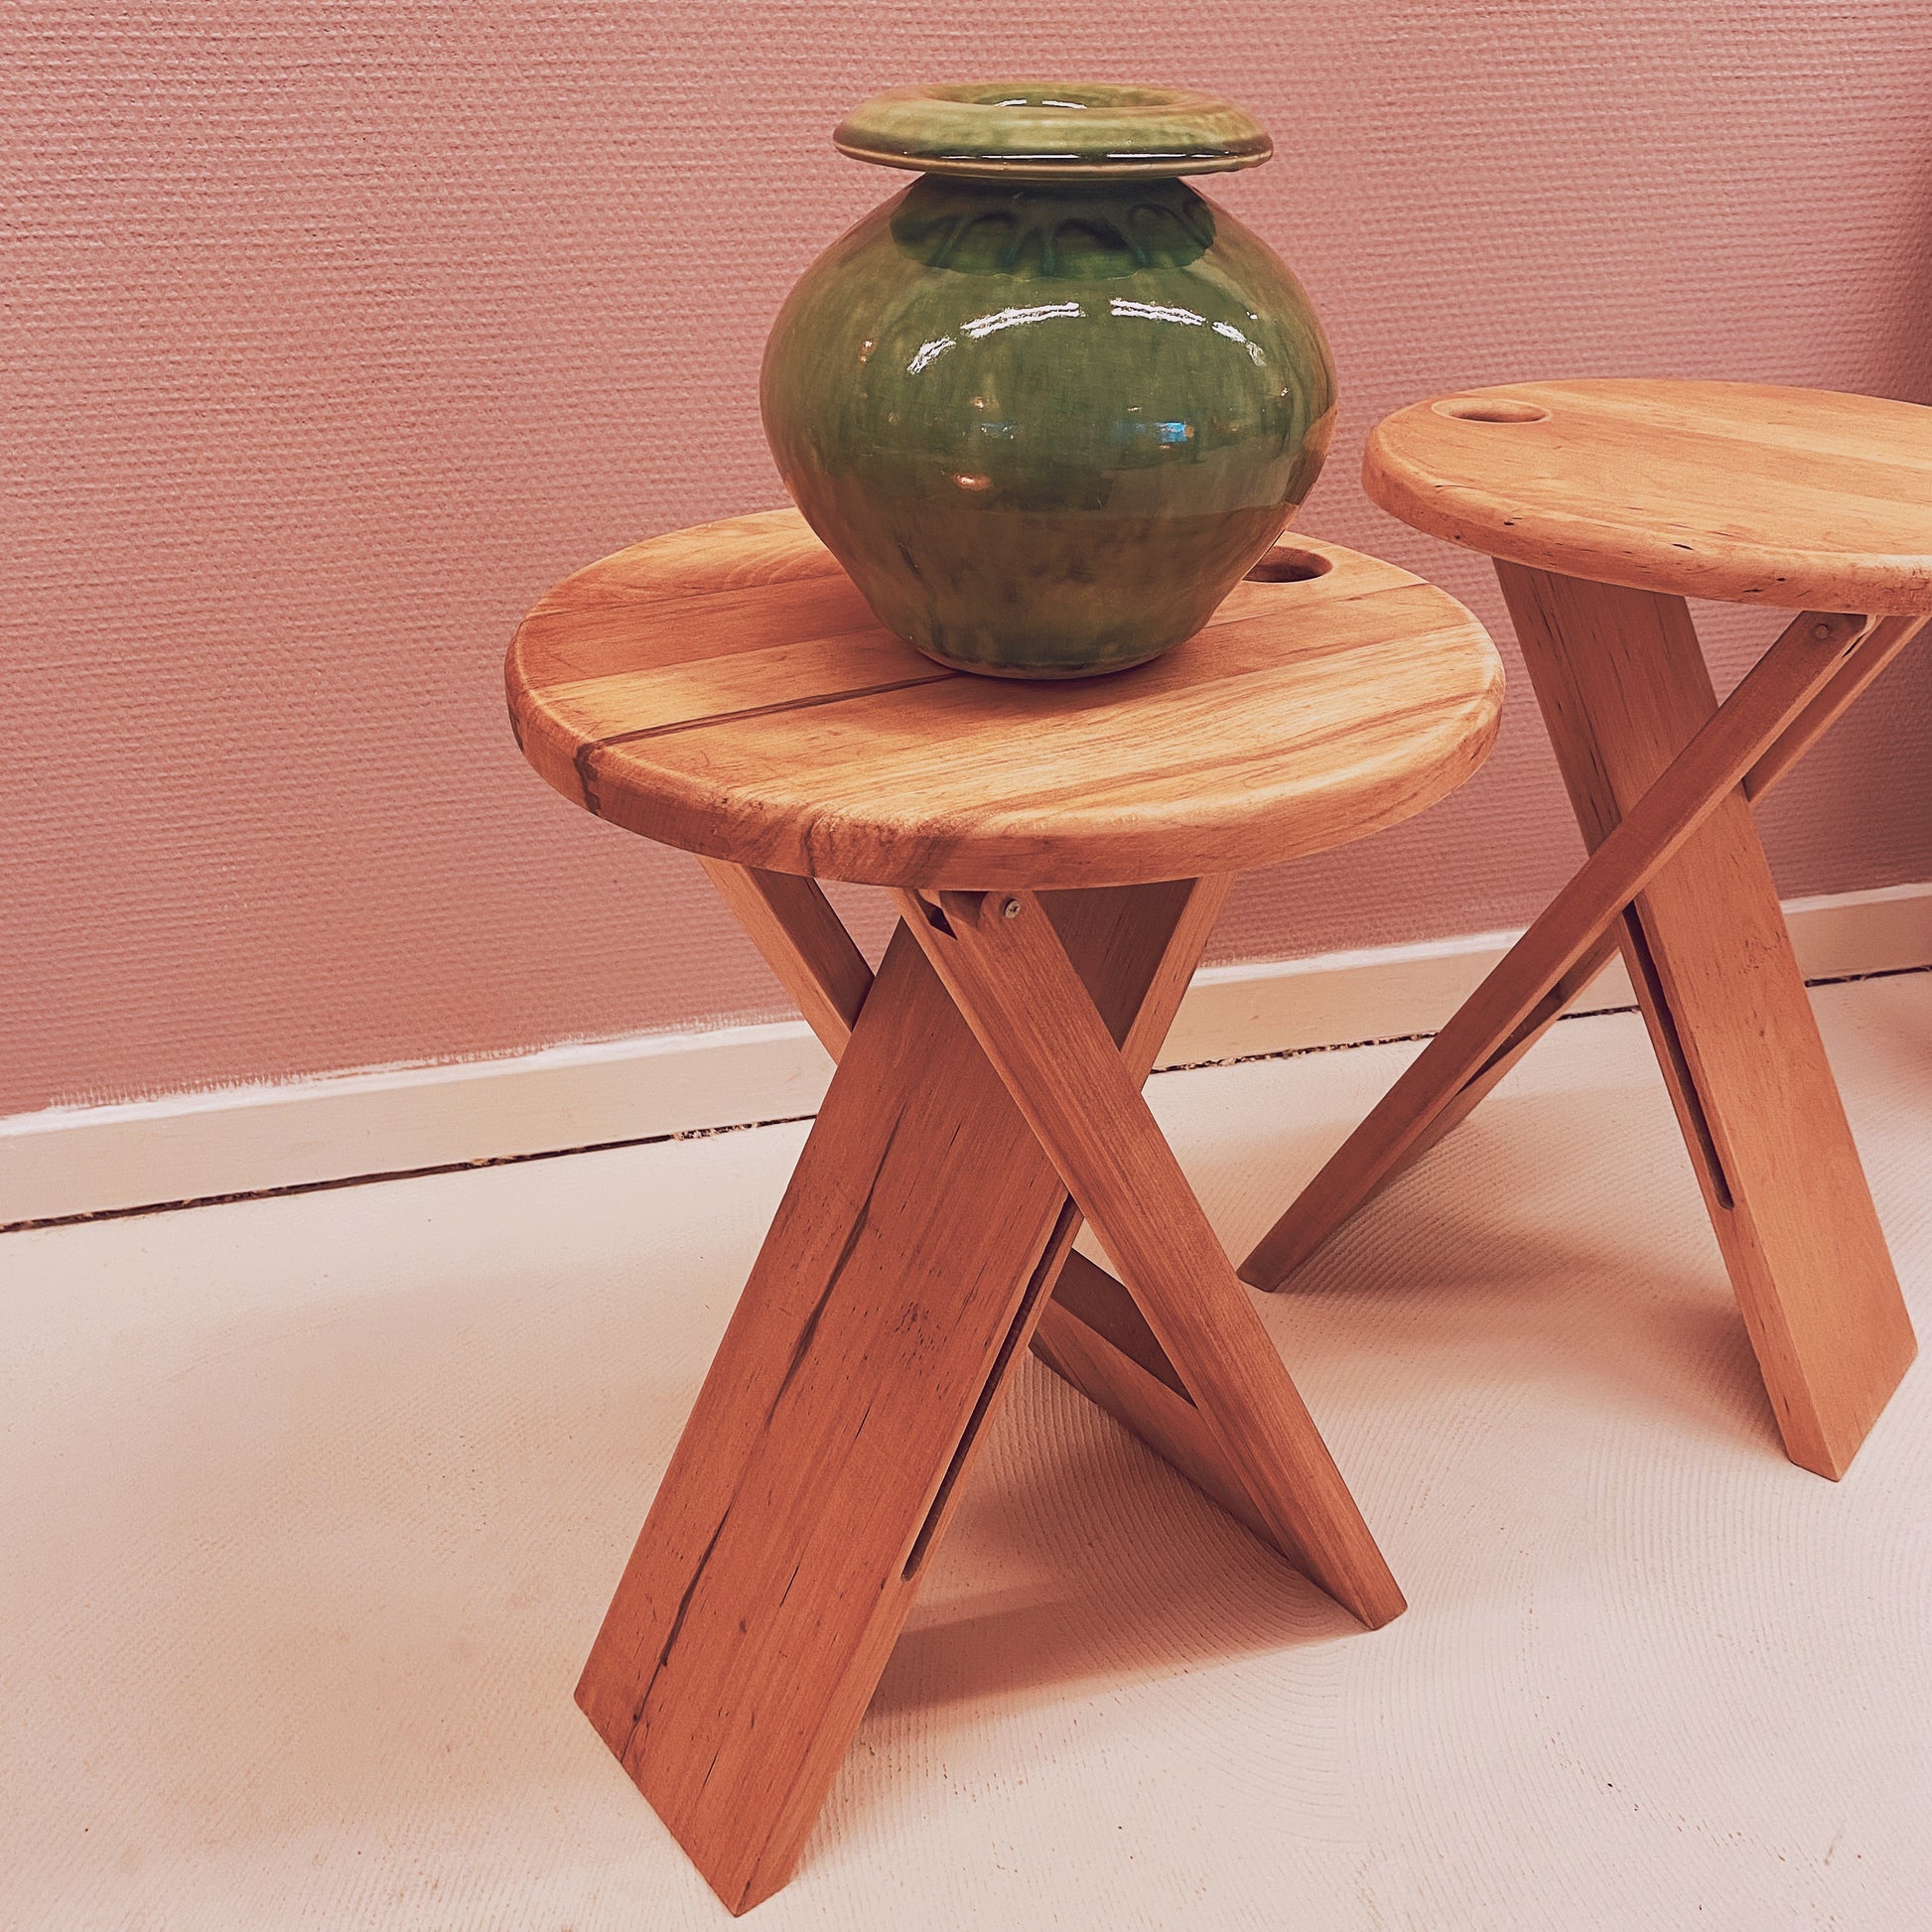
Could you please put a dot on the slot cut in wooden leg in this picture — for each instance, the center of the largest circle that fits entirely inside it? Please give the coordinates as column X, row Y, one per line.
column 1623, row 683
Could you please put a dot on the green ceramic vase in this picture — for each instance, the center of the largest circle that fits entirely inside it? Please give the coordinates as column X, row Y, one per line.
column 1047, row 405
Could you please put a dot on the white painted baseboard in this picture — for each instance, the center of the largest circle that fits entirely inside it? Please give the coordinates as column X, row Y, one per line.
column 70, row 1160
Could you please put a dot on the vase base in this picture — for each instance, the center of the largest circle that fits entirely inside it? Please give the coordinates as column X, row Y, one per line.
column 1040, row 674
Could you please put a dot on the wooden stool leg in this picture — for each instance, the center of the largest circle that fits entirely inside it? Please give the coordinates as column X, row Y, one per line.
column 1623, row 687
column 1449, row 1106
column 888, row 1305
column 1571, row 939
column 1885, row 641
column 1091, row 1331
column 1009, row 975
column 791, row 922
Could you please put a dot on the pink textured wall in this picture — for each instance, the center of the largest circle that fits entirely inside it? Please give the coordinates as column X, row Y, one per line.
column 331, row 335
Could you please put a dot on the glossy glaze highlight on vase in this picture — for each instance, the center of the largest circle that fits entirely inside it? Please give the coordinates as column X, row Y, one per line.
column 1049, row 404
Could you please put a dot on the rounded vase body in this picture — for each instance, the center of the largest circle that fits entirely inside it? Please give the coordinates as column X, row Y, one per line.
column 1047, row 423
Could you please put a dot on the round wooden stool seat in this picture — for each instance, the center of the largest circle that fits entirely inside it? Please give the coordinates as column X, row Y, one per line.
column 725, row 689
column 1738, row 492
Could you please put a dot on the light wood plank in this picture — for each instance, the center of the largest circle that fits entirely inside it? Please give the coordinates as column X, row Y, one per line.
column 1881, row 647
column 1763, row 495
column 1011, row 978
column 1147, row 1406
column 724, row 689
column 760, row 716
column 1745, row 492
column 801, row 938
column 1712, row 761
column 804, row 942
column 1623, row 685
column 1102, row 1306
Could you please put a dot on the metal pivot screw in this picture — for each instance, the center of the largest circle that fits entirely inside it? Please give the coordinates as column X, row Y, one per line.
column 1011, row 910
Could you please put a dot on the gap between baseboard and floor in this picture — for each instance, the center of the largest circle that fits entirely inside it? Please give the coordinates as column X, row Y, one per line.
column 77, row 1163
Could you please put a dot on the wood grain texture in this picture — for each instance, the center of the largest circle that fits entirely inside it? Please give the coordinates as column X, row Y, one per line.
column 1605, row 503
column 1880, row 647
column 1146, row 1405
column 1623, row 687
column 1092, row 1314
column 1101, row 1305
column 894, row 1293
column 727, row 690
column 1315, row 1217
column 1011, row 978
column 804, row 942
column 1746, row 492
column 1712, row 761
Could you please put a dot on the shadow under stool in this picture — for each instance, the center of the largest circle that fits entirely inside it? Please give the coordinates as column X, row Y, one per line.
column 1058, row 853
column 1605, row 505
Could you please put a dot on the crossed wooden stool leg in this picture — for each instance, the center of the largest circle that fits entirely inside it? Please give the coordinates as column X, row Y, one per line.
column 993, row 1066
column 1661, row 778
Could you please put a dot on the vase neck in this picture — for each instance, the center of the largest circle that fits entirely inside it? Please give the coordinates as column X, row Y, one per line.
column 1079, row 230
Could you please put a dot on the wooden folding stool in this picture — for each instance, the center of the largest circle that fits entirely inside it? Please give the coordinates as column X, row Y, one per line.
column 1058, row 853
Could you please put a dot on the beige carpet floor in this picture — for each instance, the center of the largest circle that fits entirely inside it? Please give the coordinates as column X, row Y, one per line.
column 308, row 1509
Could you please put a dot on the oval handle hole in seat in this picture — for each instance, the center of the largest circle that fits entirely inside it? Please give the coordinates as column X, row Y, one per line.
column 1284, row 565
column 1491, row 409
